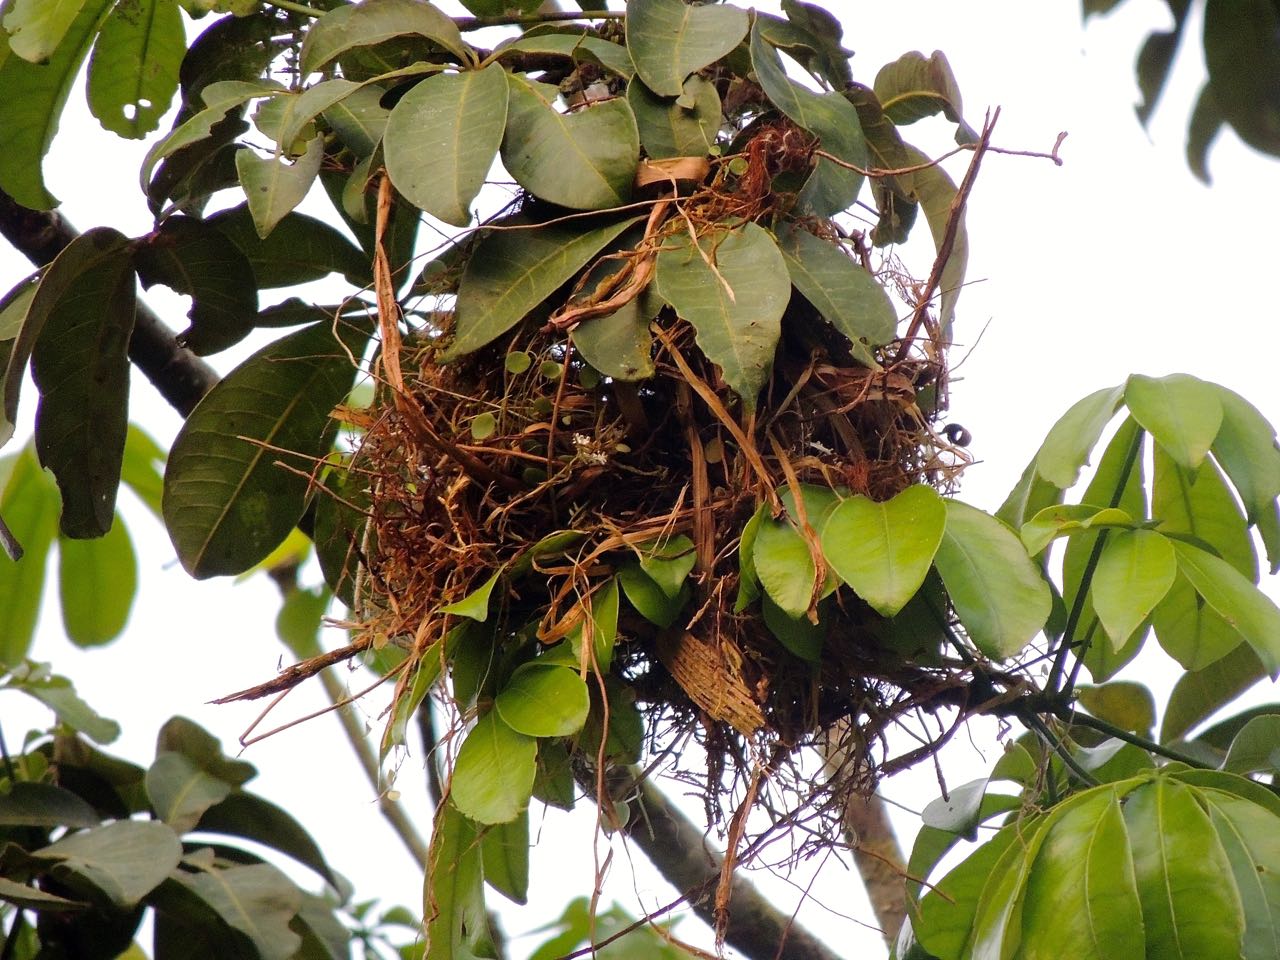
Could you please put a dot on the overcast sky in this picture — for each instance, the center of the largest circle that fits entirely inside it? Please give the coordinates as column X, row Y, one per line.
column 1117, row 262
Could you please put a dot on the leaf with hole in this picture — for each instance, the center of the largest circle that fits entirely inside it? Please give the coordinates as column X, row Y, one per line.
column 133, row 73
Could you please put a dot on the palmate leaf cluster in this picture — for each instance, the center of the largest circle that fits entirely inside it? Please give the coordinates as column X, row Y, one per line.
column 679, row 143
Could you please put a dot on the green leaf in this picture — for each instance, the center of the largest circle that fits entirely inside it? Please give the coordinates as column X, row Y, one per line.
column 258, row 901
column 914, row 87
column 784, row 565
column 1256, row 748
column 126, row 860
column 180, row 735
column 579, row 47
column 584, row 160
column 1128, row 705
column 220, row 99
column 1200, row 693
column 668, row 562
column 80, row 365
column 846, row 295
column 133, row 73
column 35, row 93
column 1134, row 573
column 373, row 22
column 1199, row 504
column 1182, row 413
column 684, row 127
column 247, row 815
column 797, row 634
column 1068, row 443
column 194, row 258
column 1190, row 630
column 1187, row 909
column 998, row 592
column 35, row 28
column 453, row 893
column 359, row 119
column 822, row 33
column 1246, row 448
column 1081, row 897
column 884, row 550
column 602, row 608
column 1243, row 58
column 736, row 308
column 1236, row 600
column 180, row 792
column 1206, row 123
column 493, row 775
column 98, row 580
column 32, row 898
column 60, row 696
column 299, row 620
column 649, row 599
column 544, row 700
column 504, row 853
column 619, row 345
column 1065, row 519
column 829, row 117
column 512, row 271
column 442, row 138
column 1030, row 495
column 668, row 40
column 32, row 804
column 1247, row 832
column 474, row 605
column 273, row 187
column 300, row 249
column 226, row 503
column 29, row 506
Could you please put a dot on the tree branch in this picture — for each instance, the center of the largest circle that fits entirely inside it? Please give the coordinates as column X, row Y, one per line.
column 181, row 377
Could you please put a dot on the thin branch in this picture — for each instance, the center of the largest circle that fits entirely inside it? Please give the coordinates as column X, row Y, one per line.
column 915, row 168
column 1042, row 730
column 291, row 7
column 181, row 377
column 1111, row 730
column 467, row 24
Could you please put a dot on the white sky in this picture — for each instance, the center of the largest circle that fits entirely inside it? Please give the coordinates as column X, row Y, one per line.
column 1117, row 262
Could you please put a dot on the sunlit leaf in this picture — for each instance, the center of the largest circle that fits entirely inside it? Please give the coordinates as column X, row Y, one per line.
column 35, row 28
column 784, row 565
column 493, row 775
column 668, row 562
column 1124, row 703
column 453, row 908
column 1235, row 599
column 442, row 138
column 544, row 700
column 98, row 580
column 1181, row 413
column 1135, row 571
column 1064, row 519
column 1067, row 445
column 1246, row 448
column 29, row 505
column 1199, row 694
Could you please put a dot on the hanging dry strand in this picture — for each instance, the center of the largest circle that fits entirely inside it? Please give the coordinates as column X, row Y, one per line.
column 385, row 291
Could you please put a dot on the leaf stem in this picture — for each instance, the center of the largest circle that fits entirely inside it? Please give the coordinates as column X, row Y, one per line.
column 466, row 24
column 291, row 7
column 1065, row 713
column 1086, row 578
column 1033, row 722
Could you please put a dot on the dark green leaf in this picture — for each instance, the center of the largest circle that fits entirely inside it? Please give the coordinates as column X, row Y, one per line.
column 684, row 127
column 255, row 818
column 133, row 73
column 83, row 316
column 493, row 776
column 934, row 191
column 829, row 117
column 180, row 735
column 257, row 900
column 884, row 550
column 649, row 599
column 35, row 93
column 29, row 506
column 126, row 860
column 180, row 792
column 1200, row 693
column 504, row 853
column 373, row 22
column 442, row 138
column 577, row 46
column 31, row 804
column 797, row 634
column 1243, row 57
column 736, row 308
column 914, row 87
column 823, row 33
column 194, row 258
column 544, row 700
column 32, row 898
column 1206, row 123
column 998, row 593
column 227, row 504
column 98, row 580
column 1155, row 59
column 512, row 271
column 298, row 250
column 668, row 40
column 584, row 160
column 1182, row 413
column 1256, row 748
column 846, row 295
column 619, row 345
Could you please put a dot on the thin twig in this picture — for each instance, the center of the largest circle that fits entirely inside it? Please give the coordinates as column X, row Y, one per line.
column 467, row 24
column 915, row 168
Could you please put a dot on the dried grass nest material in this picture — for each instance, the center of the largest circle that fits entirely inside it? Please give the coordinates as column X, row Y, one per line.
column 542, row 467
